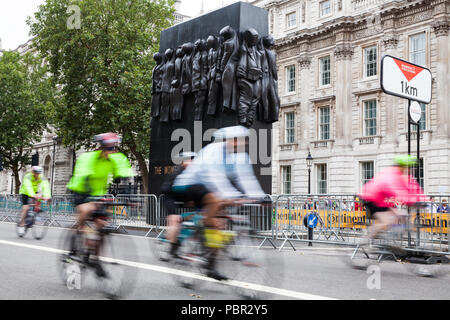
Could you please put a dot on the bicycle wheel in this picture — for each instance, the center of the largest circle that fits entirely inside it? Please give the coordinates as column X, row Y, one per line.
column 160, row 248
column 70, row 266
column 40, row 226
column 242, row 262
column 117, row 255
column 432, row 266
column 361, row 257
column 190, row 263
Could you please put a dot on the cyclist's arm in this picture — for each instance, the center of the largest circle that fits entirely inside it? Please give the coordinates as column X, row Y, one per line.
column 46, row 193
column 246, row 179
column 122, row 166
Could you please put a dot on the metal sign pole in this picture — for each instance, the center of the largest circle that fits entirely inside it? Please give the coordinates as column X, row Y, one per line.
column 418, row 152
column 409, row 128
column 409, row 153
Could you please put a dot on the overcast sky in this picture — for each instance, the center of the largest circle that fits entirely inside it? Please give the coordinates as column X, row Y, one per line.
column 13, row 15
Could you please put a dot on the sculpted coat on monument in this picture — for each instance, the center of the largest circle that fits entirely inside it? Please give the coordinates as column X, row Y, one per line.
column 269, row 105
column 213, row 46
column 166, row 88
column 249, row 75
column 186, row 68
column 156, row 84
column 176, row 99
column 227, row 67
column 199, row 78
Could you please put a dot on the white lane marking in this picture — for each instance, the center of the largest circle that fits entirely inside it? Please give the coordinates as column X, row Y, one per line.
column 252, row 286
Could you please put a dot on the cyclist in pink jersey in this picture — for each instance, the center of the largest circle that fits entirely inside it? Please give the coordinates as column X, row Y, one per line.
column 392, row 184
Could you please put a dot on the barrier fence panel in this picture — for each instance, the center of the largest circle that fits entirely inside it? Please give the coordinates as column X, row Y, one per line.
column 62, row 211
column 142, row 212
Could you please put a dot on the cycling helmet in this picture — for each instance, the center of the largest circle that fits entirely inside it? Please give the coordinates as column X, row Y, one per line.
column 231, row 132
column 405, row 160
column 187, row 156
column 109, row 139
column 37, row 169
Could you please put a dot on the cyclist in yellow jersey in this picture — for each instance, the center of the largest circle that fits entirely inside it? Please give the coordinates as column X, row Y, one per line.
column 92, row 174
column 34, row 186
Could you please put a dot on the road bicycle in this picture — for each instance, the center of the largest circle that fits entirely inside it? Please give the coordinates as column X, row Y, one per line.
column 104, row 252
column 391, row 245
column 36, row 219
column 236, row 252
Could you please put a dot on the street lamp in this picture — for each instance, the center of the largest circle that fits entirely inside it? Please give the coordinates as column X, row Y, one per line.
column 309, row 161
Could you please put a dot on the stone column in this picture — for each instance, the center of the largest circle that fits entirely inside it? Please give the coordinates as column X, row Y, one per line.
column 390, row 42
column 442, row 77
column 343, row 84
column 304, row 63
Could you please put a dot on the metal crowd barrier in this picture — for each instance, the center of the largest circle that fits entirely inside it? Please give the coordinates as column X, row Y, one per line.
column 343, row 220
column 142, row 214
column 11, row 207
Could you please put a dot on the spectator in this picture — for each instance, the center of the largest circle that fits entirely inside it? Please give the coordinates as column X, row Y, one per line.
column 443, row 208
column 432, row 206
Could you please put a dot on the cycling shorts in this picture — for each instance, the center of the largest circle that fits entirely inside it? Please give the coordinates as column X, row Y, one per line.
column 25, row 199
column 371, row 208
column 80, row 198
column 194, row 192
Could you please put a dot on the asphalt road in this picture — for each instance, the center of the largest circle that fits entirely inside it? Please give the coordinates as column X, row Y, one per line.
column 28, row 270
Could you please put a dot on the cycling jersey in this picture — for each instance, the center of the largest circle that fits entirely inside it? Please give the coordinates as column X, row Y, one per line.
column 30, row 186
column 93, row 173
column 227, row 173
column 391, row 183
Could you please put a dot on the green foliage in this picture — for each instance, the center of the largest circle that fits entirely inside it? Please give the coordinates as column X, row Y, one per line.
column 103, row 69
column 26, row 97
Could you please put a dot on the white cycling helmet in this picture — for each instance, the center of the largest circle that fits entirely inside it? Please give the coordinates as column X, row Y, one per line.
column 231, row 133
column 37, row 169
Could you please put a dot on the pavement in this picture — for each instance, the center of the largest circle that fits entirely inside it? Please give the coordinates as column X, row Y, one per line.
column 28, row 271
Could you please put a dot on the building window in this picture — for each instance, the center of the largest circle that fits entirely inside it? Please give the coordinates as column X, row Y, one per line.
column 421, row 172
column 286, row 173
column 423, row 118
column 366, row 172
column 324, row 73
column 325, row 8
column 417, row 49
column 290, row 79
column 370, row 118
column 324, row 123
column 321, row 178
column 291, row 20
column 289, row 125
column 370, row 62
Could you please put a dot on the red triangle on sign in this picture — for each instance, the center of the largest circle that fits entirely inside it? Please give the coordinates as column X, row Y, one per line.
column 408, row 70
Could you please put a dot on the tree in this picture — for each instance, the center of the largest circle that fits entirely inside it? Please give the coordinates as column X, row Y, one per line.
column 103, row 68
column 26, row 95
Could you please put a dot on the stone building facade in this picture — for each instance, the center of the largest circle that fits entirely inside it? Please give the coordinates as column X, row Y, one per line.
column 329, row 54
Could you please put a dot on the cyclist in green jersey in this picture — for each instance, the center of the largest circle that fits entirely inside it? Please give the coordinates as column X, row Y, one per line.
column 92, row 175
column 34, row 186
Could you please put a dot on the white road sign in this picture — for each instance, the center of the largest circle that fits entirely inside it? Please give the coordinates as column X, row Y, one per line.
column 415, row 111
column 404, row 79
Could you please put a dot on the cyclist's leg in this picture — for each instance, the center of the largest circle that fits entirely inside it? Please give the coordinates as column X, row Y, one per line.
column 211, row 205
column 25, row 208
column 84, row 212
column 383, row 219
